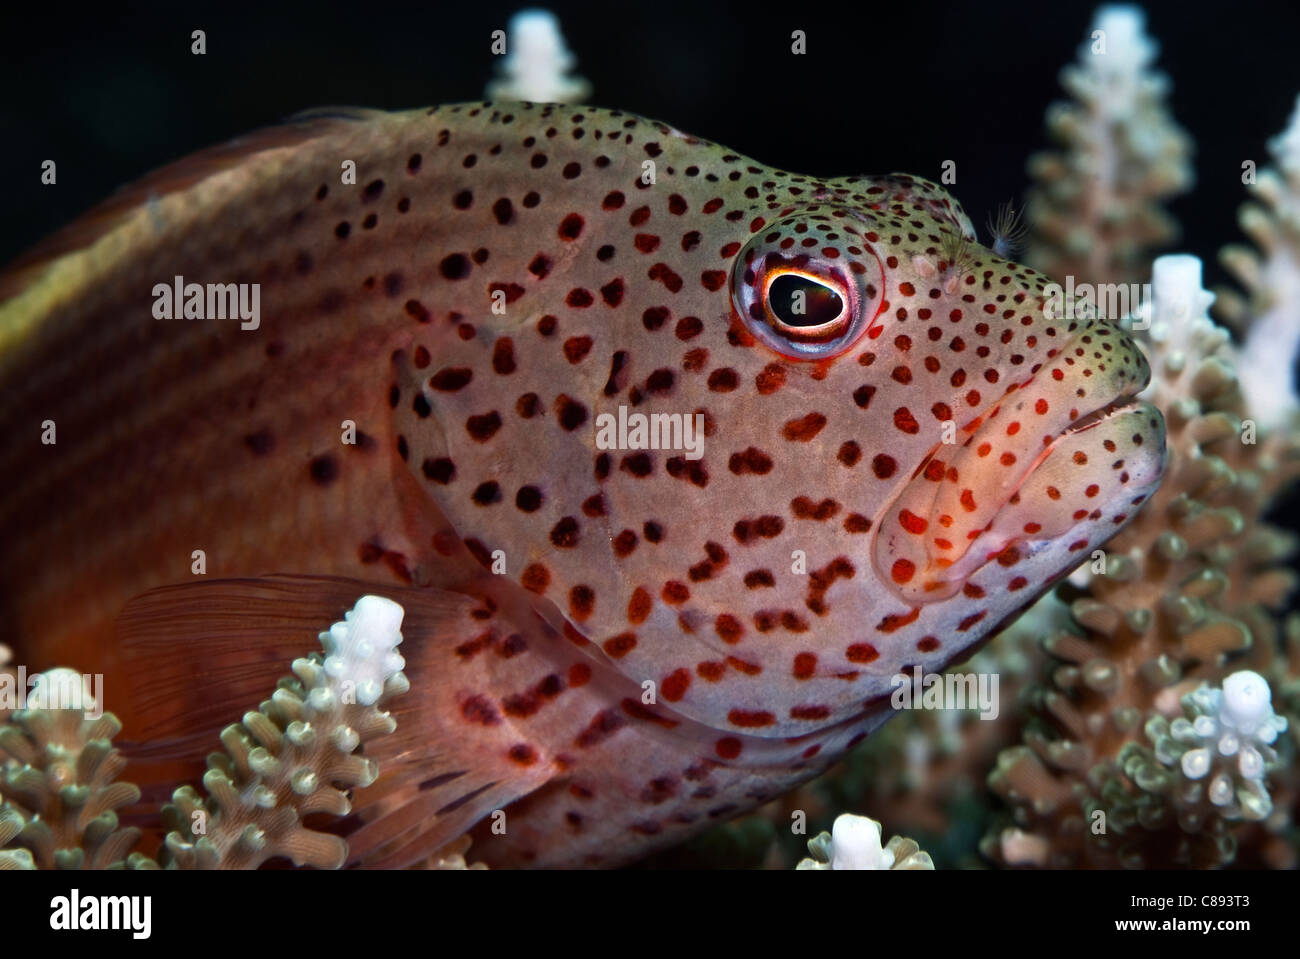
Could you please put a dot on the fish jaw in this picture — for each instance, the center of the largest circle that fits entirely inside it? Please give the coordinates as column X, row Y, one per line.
column 1050, row 459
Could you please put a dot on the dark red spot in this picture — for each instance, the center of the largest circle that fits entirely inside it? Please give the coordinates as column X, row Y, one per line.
column 570, row 412
column 478, row 709
column 770, row 379
column 483, row 427
column 577, row 347
column 728, row 628
column 503, row 356
column 805, row 428
column 565, row 533
column 570, row 227
column 612, row 292
column 440, row 470
column 449, row 379
column 455, row 267
column 727, row 747
column 324, row 469
column 750, row 460
column 862, row 653
column 750, row 718
column 805, row 664
column 620, row 645
column 675, row 684
column 536, row 578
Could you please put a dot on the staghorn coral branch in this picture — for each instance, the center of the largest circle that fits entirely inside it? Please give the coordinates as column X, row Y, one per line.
column 296, row 755
column 1185, row 593
column 854, row 843
column 537, row 63
column 1094, row 212
column 58, row 782
column 1269, row 313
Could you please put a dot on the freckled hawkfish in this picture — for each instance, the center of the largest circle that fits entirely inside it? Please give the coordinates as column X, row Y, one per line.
column 614, row 642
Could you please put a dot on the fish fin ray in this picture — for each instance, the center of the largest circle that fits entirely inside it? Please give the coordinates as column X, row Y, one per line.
column 199, row 655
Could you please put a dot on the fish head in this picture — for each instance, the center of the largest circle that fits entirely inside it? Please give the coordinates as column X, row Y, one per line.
column 901, row 447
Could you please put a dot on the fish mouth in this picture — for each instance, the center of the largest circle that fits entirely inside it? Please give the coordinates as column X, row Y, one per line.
column 1032, row 469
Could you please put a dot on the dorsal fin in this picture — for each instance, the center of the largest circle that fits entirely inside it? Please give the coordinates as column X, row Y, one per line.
column 175, row 177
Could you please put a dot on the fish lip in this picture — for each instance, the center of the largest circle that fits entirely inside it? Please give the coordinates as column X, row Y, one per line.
column 1126, row 400
column 1121, row 404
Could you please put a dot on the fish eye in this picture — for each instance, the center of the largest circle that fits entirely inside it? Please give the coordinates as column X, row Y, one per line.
column 807, row 303
column 802, row 302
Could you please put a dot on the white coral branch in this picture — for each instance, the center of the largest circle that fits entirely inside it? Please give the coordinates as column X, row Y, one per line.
column 537, row 62
column 297, row 754
column 854, row 843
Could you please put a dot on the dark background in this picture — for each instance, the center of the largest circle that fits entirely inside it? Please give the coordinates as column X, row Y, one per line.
column 111, row 92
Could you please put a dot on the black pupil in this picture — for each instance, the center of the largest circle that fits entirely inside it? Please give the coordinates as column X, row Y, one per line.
column 798, row 301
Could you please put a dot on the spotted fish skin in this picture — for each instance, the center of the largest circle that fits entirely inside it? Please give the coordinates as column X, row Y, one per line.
column 876, row 492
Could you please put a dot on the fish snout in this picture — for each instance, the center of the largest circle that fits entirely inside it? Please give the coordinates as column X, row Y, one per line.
column 1067, row 454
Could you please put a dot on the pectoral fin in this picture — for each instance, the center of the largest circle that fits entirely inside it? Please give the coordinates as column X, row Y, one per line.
column 200, row 655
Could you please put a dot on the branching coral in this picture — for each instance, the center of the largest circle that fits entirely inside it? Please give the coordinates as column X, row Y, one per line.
column 283, row 761
column 854, row 843
column 59, row 785
column 452, row 856
column 295, row 756
column 1095, row 210
column 1187, row 587
column 1269, row 313
column 1213, row 763
column 537, row 62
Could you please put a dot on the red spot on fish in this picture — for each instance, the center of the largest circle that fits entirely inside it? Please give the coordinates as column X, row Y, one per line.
column 727, row 747
column 570, row 227
column 675, row 684
column 620, row 645
column 577, row 347
column 911, row 522
column 861, row 653
column 896, row 621
column 905, row 421
column 579, row 675
column 805, row 664
column 804, row 429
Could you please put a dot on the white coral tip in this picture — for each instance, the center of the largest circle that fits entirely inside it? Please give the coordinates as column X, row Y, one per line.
column 1126, row 39
column 379, row 616
column 855, row 844
column 1247, row 700
column 363, row 648
column 1196, row 763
